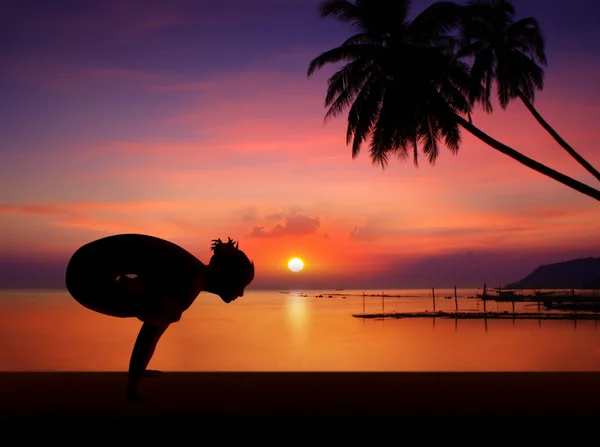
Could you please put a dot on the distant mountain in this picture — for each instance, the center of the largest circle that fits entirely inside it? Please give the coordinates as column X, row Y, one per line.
column 578, row 274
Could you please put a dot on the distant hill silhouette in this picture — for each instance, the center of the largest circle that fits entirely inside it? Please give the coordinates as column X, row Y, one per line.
column 581, row 273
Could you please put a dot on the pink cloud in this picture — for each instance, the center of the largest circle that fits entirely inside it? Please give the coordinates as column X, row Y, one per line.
column 170, row 218
column 294, row 225
column 42, row 210
column 70, row 208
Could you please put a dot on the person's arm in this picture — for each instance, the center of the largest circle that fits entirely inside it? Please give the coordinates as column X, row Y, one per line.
column 131, row 285
column 143, row 350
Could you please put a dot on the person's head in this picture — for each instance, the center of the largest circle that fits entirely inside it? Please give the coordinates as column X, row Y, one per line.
column 231, row 270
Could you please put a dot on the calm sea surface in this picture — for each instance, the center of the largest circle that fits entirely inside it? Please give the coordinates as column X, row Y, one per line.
column 46, row 330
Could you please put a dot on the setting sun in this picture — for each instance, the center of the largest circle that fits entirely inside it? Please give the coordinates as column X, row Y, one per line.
column 295, row 264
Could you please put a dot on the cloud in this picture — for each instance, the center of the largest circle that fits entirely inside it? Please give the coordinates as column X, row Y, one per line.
column 61, row 209
column 40, row 210
column 275, row 216
column 291, row 225
column 375, row 227
column 417, row 236
column 365, row 233
column 247, row 214
column 165, row 217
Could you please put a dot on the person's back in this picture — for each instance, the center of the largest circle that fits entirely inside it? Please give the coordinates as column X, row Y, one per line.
column 97, row 275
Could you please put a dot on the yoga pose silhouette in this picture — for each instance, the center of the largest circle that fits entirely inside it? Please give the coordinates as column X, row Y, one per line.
column 153, row 280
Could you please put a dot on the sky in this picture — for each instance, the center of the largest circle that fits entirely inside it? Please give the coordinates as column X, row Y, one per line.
column 193, row 120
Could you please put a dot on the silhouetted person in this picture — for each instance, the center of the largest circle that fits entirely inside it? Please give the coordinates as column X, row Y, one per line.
column 154, row 280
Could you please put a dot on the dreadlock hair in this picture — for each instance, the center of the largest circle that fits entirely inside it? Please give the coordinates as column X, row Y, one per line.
column 234, row 267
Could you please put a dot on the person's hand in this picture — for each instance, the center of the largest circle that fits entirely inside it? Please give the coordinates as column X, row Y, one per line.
column 133, row 396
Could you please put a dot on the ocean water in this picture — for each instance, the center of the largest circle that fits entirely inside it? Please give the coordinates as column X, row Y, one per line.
column 46, row 330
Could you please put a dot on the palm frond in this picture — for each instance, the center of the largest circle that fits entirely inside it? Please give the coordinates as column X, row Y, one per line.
column 503, row 85
column 527, row 36
column 345, row 84
column 365, row 39
column 439, row 18
column 430, row 139
column 449, row 129
column 343, row 10
column 364, row 111
column 335, row 55
column 416, row 153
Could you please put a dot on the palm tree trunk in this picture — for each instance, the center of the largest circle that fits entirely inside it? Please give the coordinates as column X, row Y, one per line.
column 530, row 163
column 557, row 137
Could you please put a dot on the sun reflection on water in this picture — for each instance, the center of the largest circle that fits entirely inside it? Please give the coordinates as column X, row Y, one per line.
column 297, row 312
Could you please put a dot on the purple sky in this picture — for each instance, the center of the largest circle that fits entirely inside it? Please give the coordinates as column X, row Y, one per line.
column 194, row 120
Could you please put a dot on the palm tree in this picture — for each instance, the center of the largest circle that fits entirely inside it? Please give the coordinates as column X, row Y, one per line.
column 403, row 85
column 509, row 53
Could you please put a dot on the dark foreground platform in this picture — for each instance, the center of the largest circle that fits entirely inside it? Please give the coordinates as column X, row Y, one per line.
column 202, row 396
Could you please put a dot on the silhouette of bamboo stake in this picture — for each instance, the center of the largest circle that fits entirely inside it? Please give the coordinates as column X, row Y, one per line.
column 455, row 299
